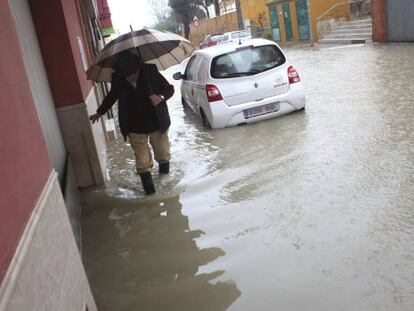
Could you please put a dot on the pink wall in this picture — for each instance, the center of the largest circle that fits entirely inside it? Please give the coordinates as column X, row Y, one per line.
column 104, row 14
column 57, row 35
column 24, row 164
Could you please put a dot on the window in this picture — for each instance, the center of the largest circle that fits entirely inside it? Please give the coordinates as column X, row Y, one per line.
column 246, row 61
column 192, row 70
column 188, row 69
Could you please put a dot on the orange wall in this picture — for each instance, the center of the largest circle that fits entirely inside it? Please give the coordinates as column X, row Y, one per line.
column 256, row 11
column 319, row 7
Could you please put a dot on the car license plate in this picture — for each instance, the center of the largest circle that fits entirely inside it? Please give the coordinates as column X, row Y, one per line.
column 261, row 110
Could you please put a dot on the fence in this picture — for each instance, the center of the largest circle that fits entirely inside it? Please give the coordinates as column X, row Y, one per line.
column 220, row 24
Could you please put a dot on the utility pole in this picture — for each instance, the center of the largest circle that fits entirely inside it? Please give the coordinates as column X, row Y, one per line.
column 311, row 35
column 240, row 22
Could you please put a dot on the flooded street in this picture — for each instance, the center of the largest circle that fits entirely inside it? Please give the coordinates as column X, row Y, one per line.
column 312, row 211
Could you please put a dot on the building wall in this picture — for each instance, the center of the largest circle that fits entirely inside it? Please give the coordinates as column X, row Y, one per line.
column 104, row 14
column 52, row 39
column 24, row 164
column 379, row 21
column 256, row 11
column 40, row 264
column 73, row 25
column 46, row 273
column 39, row 84
column 320, row 7
column 71, row 90
column 293, row 16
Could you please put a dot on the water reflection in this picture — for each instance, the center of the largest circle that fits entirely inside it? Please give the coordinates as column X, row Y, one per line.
column 144, row 256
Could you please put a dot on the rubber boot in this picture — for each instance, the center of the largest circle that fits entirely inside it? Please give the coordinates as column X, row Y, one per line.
column 147, row 182
column 164, row 167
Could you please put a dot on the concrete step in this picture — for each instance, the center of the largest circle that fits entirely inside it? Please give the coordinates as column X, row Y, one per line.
column 357, row 22
column 359, row 31
column 349, row 36
column 352, row 27
column 344, row 41
column 355, row 31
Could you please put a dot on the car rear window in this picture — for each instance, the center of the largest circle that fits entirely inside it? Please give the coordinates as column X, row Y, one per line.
column 246, row 61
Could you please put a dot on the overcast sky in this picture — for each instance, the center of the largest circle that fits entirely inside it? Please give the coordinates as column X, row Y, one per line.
column 137, row 13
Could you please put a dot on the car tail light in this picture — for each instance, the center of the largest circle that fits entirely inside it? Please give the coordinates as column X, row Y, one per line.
column 293, row 75
column 213, row 94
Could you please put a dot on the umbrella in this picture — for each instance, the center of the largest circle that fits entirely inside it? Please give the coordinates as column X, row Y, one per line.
column 162, row 48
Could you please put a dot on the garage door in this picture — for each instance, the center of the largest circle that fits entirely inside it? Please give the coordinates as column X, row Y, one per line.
column 39, row 84
column 400, row 20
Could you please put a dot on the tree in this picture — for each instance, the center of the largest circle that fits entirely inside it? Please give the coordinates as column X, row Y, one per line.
column 167, row 24
column 164, row 15
column 182, row 8
column 216, row 7
column 160, row 8
column 186, row 9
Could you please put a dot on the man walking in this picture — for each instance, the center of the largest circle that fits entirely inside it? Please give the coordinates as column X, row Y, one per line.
column 143, row 115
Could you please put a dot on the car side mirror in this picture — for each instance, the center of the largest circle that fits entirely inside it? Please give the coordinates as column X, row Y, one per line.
column 178, row 76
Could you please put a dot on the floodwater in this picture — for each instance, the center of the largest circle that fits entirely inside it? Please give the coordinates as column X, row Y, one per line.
column 312, row 211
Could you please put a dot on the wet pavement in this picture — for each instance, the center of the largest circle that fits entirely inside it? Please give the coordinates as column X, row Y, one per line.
column 310, row 211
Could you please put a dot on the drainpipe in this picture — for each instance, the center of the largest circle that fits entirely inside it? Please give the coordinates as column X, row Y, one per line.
column 239, row 15
column 310, row 22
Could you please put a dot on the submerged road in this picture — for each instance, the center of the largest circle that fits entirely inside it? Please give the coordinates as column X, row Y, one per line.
column 312, row 211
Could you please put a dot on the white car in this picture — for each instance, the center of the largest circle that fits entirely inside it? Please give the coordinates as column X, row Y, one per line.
column 231, row 85
column 235, row 37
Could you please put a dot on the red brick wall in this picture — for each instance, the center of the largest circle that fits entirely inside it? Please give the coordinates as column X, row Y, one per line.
column 379, row 21
column 24, row 163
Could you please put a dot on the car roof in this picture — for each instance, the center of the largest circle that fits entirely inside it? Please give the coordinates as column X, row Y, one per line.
column 216, row 50
column 236, row 31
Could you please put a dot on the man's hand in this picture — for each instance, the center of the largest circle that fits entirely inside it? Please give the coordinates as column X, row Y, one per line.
column 95, row 117
column 155, row 99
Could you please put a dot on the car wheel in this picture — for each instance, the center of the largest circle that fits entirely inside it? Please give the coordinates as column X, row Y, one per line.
column 205, row 120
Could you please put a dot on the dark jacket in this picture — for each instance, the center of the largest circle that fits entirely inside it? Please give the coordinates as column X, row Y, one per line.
column 131, row 101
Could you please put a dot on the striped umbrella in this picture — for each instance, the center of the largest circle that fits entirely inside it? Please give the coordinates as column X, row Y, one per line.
column 162, row 48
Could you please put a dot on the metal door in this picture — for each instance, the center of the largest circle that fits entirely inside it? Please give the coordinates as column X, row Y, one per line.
column 400, row 20
column 287, row 21
column 303, row 19
column 39, row 84
column 274, row 21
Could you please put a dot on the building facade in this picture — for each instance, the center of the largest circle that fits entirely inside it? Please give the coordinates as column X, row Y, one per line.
column 48, row 150
column 392, row 20
column 105, row 18
column 290, row 21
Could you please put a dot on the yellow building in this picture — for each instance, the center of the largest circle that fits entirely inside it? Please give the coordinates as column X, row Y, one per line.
column 288, row 20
